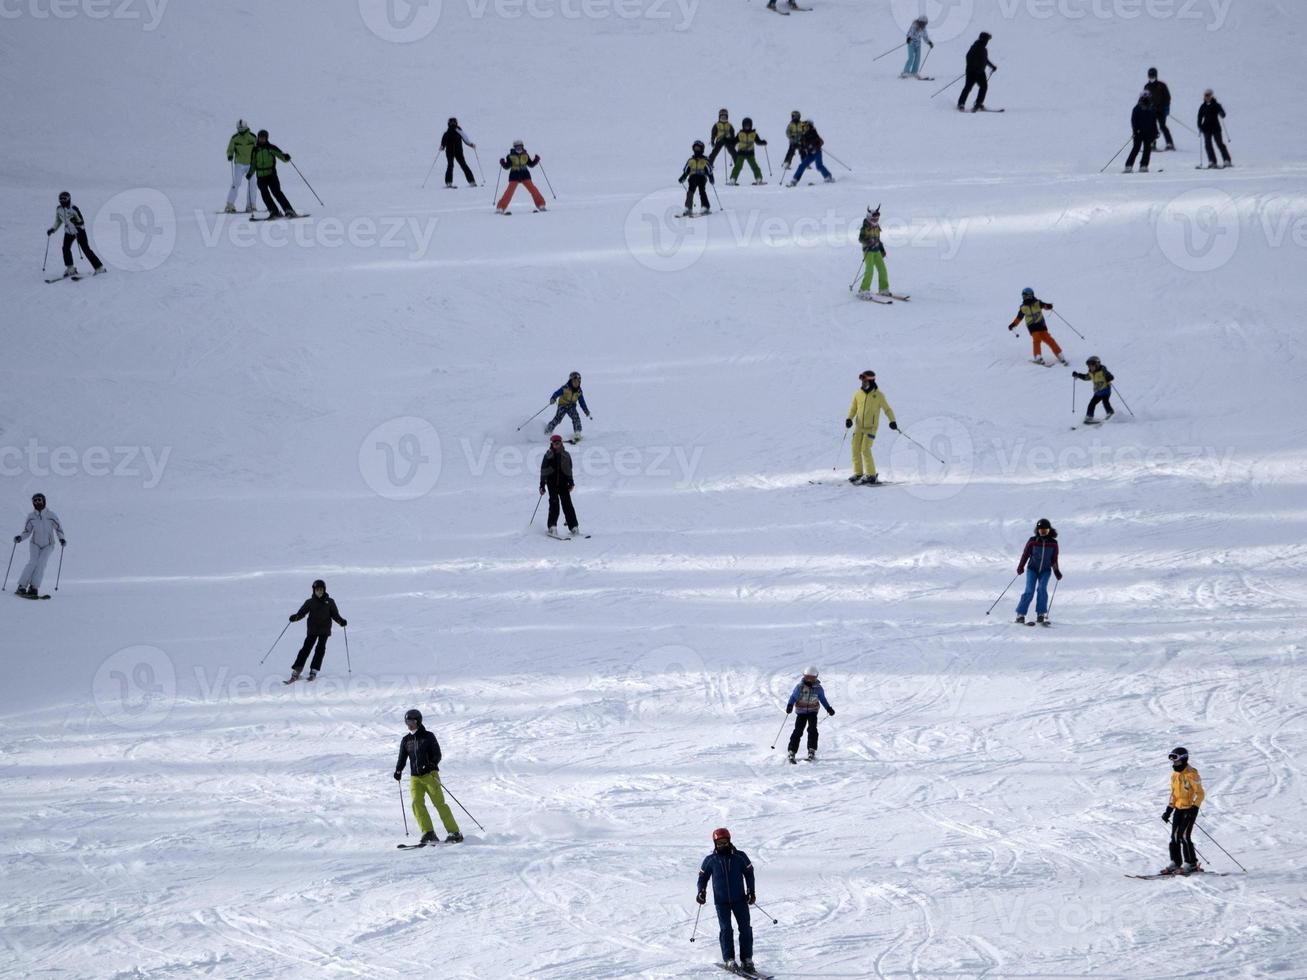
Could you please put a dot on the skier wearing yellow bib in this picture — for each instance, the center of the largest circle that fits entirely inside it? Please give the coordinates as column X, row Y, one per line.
column 745, row 141
column 873, row 254
column 864, row 419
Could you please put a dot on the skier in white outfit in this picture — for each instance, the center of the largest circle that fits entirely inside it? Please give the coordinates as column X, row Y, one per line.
column 44, row 529
column 916, row 34
column 239, row 148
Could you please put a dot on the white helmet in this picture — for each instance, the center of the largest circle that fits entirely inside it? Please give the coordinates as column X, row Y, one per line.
column 810, row 672
column 241, row 125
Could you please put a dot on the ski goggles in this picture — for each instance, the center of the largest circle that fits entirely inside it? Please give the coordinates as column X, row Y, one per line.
column 1177, row 756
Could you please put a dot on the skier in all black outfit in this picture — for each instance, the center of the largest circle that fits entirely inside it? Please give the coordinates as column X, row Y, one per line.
column 1143, row 124
column 556, row 477
column 451, row 141
column 977, row 62
column 698, row 171
column 1161, row 96
column 321, row 610
column 1210, row 114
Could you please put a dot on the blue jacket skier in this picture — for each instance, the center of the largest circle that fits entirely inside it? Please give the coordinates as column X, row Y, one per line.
column 568, row 397
column 806, row 697
column 732, row 888
column 1038, row 562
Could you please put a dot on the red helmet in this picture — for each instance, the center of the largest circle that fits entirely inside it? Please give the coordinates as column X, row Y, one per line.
column 721, row 833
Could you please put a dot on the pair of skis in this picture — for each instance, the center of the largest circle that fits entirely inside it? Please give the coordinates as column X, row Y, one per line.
column 885, row 300
column 24, row 595
column 786, row 12
column 1180, row 874
column 740, row 971
column 281, row 217
column 558, row 537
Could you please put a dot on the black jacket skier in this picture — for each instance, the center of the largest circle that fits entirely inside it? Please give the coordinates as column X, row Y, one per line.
column 1143, row 127
column 451, row 141
column 321, row 611
column 977, row 62
column 556, row 477
column 420, row 750
column 1161, row 95
column 1210, row 114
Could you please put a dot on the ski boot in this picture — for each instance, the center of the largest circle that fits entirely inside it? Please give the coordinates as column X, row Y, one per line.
column 793, row 183
column 229, row 209
column 812, row 755
column 1110, row 414
column 454, row 838
column 1041, row 619
column 1062, row 360
column 829, row 179
column 574, row 531
column 747, row 966
column 1143, row 170
column 249, row 209
column 883, row 292
column 1021, row 618
column 1213, row 166
column 100, row 271
column 855, row 479
column 758, row 183
column 793, row 761
column 869, row 480
column 863, row 293
column 313, row 675
column 294, row 676
column 1191, row 867
column 70, row 271
column 732, row 183
column 1090, row 420
column 429, row 838
column 706, row 211
column 1170, row 869
column 1170, row 147
column 1128, row 169
column 450, row 185
column 1038, row 360
column 730, row 966
column 687, row 213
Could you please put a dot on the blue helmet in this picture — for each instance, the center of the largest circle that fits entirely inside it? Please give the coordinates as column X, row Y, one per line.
column 1027, row 292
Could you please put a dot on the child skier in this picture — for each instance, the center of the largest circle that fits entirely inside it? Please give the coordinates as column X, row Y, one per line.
column 810, row 144
column 263, row 163
column 698, row 171
column 1182, row 812
column 1038, row 561
column 1033, row 309
column 806, row 697
column 873, row 254
column 1143, row 129
column 44, row 529
column 239, row 149
column 732, row 891
column 568, row 397
column 1210, row 114
column 518, row 163
column 451, row 141
column 745, row 141
column 1102, row 379
column 321, row 611
column 69, row 215
column 793, row 133
column 864, row 419
column 556, row 477
column 421, row 751
column 722, row 134
column 916, row 34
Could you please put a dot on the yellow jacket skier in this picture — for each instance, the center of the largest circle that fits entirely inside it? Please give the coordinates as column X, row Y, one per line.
column 1182, row 812
column 864, row 419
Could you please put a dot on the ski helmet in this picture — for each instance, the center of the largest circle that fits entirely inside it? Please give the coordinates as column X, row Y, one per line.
column 795, row 115
column 319, row 584
column 986, row 36
column 1152, row 72
column 1179, row 754
column 518, row 144
column 65, row 198
column 453, row 121
column 1028, row 291
column 867, row 375
column 1092, row 360
column 923, row 19
column 574, row 376
column 697, row 145
column 262, row 134
column 242, row 126
column 810, row 672
column 721, row 833
column 1145, row 97
column 874, row 213
column 722, row 114
column 1043, row 524
column 1208, row 93
column 746, row 123
column 555, row 438
column 412, row 714
column 38, row 498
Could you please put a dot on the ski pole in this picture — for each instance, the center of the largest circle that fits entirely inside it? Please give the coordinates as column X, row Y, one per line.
column 307, row 184
column 861, row 262
column 1117, row 391
column 519, row 428
column 779, row 730
column 479, row 170
column 1049, row 610
column 1068, row 323
column 766, row 913
column 399, row 784
column 58, row 574
column 925, row 59
column 1073, row 394
column 766, row 156
column 495, row 197
column 9, row 566
column 464, row 809
column 1003, row 593
column 843, row 440
column 545, row 174
column 276, row 641
column 343, row 629
column 890, row 51
column 951, row 84
column 698, row 913
column 1223, row 850
column 783, row 173
column 536, row 511
column 839, row 161
column 433, row 168
column 47, row 252
column 713, row 185
column 1117, row 154
column 920, row 446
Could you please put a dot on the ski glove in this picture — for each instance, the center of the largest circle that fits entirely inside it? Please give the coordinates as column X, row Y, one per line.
column 894, row 426
column 63, row 542
column 49, row 232
column 288, row 158
column 831, row 712
column 701, row 898
column 17, row 538
column 344, row 623
column 542, row 489
column 292, row 619
column 398, row 775
column 1166, row 815
column 789, row 708
column 1057, row 574
column 848, row 423
column 751, row 897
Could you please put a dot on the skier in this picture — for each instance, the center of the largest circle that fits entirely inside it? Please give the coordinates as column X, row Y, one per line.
column 698, row 171
column 792, row 4
column 1102, row 379
column 916, row 34
column 745, row 140
column 794, row 133
column 873, row 254
column 422, row 752
column 864, row 419
column 44, row 529
column 1161, row 96
column 1210, row 114
column 556, row 477
column 518, row 163
column 263, row 162
column 722, row 134
column 239, row 149
column 810, row 144
column 321, row 610
column 451, row 141
column 1032, row 308
column 1038, row 561
column 1143, row 126
column 806, row 697
column 977, row 62
column 1182, row 812
column 732, row 890
column 69, row 215
column 568, row 397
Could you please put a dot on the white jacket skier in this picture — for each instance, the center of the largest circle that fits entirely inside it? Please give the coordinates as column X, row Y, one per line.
column 44, row 529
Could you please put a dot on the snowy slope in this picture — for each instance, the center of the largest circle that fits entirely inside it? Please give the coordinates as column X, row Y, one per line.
column 171, row 810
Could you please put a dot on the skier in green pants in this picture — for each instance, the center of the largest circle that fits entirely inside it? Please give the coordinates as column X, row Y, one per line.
column 420, row 748
column 745, row 141
column 873, row 254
